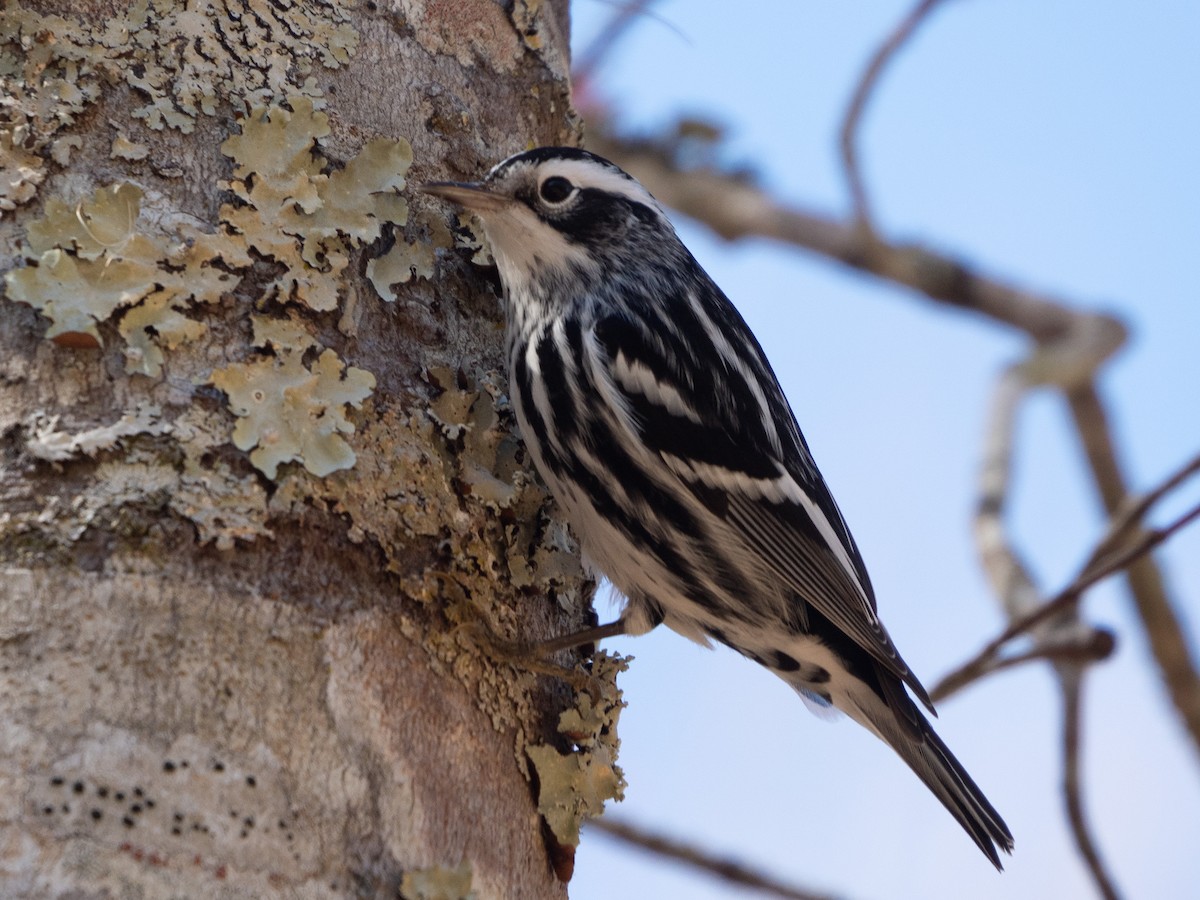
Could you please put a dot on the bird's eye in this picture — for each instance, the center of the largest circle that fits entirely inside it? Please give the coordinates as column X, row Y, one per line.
column 556, row 189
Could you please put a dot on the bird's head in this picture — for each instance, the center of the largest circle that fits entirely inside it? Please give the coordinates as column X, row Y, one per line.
column 559, row 213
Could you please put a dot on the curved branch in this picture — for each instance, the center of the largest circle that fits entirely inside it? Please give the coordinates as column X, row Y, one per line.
column 1106, row 560
column 736, row 208
column 1094, row 647
column 858, row 102
column 1072, row 690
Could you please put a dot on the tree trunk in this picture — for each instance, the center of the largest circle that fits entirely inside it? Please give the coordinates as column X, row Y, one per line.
column 265, row 525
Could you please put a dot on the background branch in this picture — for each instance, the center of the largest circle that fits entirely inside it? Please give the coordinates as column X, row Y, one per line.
column 858, row 102
column 602, row 45
column 1164, row 632
column 1104, row 561
column 1053, row 628
column 725, row 869
column 1072, row 690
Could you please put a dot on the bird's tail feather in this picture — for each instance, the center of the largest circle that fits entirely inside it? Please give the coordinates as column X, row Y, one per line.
column 909, row 733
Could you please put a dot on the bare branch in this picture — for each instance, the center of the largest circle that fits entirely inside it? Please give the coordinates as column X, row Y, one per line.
column 858, row 102
column 736, row 208
column 1010, row 578
column 1100, row 565
column 1097, row 645
column 1135, row 507
column 1159, row 620
column 1072, row 691
column 983, row 663
column 727, row 869
column 1059, row 635
column 1062, row 634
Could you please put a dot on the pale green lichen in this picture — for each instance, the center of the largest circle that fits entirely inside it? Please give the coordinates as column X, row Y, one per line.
column 193, row 60
column 103, row 223
column 20, row 171
column 467, row 411
column 48, row 76
column 438, row 883
column 87, row 260
column 224, row 506
column 100, row 259
column 466, row 237
column 402, row 263
column 575, row 786
column 153, row 326
column 62, row 148
column 185, row 59
column 75, row 293
column 408, row 260
column 92, row 260
column 288, row 412
column 297, row 211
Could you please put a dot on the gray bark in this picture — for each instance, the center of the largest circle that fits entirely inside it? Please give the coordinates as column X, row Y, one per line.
column 262, row 506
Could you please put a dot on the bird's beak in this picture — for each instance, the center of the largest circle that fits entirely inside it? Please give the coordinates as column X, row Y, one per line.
column 471, row 195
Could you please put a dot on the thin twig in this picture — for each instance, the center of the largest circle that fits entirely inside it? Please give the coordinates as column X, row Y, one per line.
column 981, row 664
column 858, row 102
column 1059, row 636
column 727, row 869
column 602, row 45
column 1097, row 645
column 1134, row 508
column 1072, row 689
column 1097, row 573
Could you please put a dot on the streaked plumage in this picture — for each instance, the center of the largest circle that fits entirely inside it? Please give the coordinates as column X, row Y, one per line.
column 654, row 417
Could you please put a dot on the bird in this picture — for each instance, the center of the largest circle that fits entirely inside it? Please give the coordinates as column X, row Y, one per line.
column 652, row 414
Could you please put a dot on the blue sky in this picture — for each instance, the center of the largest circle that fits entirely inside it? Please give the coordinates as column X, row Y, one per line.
column 1054, row 145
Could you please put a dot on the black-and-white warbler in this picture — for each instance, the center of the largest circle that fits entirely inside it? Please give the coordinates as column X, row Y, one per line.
column 655, row 419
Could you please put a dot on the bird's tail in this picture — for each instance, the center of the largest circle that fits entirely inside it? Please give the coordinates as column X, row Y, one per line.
column 905, row 729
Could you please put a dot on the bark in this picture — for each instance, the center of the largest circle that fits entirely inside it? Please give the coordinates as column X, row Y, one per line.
column 263, row 512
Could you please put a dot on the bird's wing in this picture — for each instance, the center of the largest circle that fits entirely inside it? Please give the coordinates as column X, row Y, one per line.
column 698, row 389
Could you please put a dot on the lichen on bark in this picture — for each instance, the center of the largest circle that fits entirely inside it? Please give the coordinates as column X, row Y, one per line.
column 208, row 197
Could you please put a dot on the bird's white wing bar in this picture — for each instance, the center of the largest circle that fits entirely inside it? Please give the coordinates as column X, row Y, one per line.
column 636, row 377
column 780, row 489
